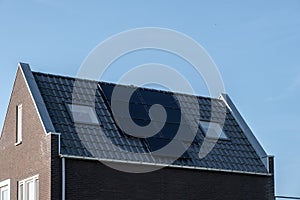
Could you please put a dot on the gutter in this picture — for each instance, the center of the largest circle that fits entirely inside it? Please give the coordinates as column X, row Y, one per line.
column 63, row 157
column 162, row 165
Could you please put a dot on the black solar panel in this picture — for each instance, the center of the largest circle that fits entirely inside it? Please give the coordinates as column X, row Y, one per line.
column 139, row 106
column 85, row 140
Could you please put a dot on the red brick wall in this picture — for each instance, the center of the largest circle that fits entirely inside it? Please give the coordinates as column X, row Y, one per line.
column 33, row 156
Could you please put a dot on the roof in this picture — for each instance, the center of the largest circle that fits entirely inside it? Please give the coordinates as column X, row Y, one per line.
column 238, row 153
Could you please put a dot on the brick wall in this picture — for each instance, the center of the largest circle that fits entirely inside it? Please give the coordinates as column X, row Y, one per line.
column 38, row 154
column 93, row 180
column 56, row 176
column 32, row 157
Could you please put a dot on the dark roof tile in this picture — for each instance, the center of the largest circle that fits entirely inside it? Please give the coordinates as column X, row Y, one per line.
column 84, row 140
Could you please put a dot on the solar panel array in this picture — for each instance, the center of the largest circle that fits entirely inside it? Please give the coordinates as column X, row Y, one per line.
column 85, row 140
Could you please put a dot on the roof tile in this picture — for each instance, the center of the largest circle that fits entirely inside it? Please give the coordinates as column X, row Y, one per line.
column 84, row 140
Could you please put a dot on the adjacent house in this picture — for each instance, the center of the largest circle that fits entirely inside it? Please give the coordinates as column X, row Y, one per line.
column 46, row 152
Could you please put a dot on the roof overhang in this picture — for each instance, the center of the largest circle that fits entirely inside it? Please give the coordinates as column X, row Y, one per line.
column 247, row 131
column 36, row 97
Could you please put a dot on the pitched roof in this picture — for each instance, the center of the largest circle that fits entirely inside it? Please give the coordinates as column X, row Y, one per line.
column 237, row 153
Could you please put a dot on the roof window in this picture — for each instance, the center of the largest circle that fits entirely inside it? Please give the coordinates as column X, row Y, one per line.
column 213, row 130
column 83, row 114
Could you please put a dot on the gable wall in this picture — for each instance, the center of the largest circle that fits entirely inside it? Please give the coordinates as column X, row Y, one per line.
column 33, row 156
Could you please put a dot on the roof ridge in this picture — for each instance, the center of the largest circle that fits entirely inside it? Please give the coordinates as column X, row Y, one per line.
column 127, row 85
column 234, row 154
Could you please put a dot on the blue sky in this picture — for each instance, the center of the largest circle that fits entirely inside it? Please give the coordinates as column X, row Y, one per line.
column 255, row 45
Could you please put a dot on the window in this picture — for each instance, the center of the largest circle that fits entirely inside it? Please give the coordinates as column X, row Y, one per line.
column 213, row 130
column 83, row 114
column 29, row 189
column 5, row 190
column 19, row 124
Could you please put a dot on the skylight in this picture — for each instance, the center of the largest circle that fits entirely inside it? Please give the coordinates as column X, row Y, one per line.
column 213, row 130
column 83, row 114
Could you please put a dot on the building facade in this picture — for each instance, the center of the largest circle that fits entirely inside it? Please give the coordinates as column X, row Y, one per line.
column 49, row 152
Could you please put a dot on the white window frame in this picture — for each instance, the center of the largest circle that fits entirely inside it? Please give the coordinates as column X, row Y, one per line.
column 19, row 124
column 22, row 188
column 6, row 185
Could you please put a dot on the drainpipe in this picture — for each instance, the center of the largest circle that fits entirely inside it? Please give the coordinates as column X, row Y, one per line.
column 63, row 184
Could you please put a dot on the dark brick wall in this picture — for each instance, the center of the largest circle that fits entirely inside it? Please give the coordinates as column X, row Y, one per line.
column 271, row 185
column 93, row 180
column 56, row 177
column 32, row 157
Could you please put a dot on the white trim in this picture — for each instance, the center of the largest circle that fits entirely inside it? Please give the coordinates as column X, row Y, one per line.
column 3, row 184
column 53, row 133
column 163, row 165
column 35, row 180
column 58, row 134
column 18, row 143
column 19, row 124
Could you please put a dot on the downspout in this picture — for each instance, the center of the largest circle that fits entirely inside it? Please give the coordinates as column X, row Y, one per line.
column 63, row 183
column 63, row 170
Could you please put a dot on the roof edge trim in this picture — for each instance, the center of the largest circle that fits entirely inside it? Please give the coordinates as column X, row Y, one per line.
column 36, row 97
column 163, row 165
column 246, row 129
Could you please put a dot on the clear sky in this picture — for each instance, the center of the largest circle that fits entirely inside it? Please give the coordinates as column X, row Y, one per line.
column 255, row 44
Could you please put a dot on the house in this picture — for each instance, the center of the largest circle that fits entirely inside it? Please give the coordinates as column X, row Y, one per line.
column 46, row 152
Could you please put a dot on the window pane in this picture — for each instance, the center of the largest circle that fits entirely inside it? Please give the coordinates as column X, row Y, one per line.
column 4, row 194
column 37, row 189
column 213, row 130
column 83, row 114
column 30, row 190
column 21, row 192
